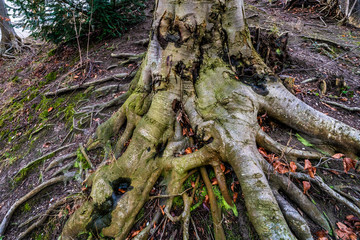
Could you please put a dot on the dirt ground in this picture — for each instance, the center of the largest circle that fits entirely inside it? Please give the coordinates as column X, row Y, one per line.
column 320, row 65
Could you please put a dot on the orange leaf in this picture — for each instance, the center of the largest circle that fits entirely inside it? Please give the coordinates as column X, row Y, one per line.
column 322, row 235
column 312, row 172
column 135, row 233
column 348, row 164
column 50, row 109
column 121, row 190
column 306, row 186
column 232, row 186
column 223, row 168
column 307, row 164
column 338, row 155
column 263, row 152
column 162, row 209
column 235, row 196
column 188, row 150
column 293, row 167
column 214, row 181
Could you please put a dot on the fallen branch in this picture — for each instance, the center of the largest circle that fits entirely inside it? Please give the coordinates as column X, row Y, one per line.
column 28, row 196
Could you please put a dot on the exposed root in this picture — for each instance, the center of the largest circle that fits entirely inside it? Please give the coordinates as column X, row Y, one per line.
column 127, row 55
column 347, row 195
column 86, row 156
column 43, row 217
column 265, row 141
column 215, row 211
column 297, row 196
column 29, row 195
column 64, row 169
column 320, row 183
column 59, row 160
column 86, row 85
column 23, row 171
column 144, row 234
column 351, row 109
column 297, row 223
column 222, row 183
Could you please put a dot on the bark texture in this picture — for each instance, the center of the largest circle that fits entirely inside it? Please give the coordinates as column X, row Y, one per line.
column 201, row 69
column 10, row 41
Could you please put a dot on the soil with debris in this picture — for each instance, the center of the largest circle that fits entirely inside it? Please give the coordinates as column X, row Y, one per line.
column 318, row 61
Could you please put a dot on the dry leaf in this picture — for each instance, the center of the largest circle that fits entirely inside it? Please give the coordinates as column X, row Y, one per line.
column 222, row 166
column 188, row 150
column 322, row 235
column 348, row 164
column 338, row 155
column 306, row 186
column 293, row 167
column 307, row 164
column 50, row 109
column 235, row 196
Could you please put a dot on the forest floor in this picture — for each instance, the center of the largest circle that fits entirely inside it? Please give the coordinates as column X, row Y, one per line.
column 50, row 105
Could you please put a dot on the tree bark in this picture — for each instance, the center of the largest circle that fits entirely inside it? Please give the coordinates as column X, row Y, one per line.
column 9, row 39
column 200, row 71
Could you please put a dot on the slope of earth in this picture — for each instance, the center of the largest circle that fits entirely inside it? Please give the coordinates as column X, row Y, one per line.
column 50, row 104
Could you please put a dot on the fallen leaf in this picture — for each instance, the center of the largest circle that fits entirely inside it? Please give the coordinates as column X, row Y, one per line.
column 188, row 150
column 307, row 164
column 135, row 233
column 322, row 235
column 338, row 155
column 162, row 209
column 293, row 167
column 214, row 181
column 46, row 145
column 348, row 164
column 50, row 109
column 235, row 196
column 306, row 186
column 223, row 168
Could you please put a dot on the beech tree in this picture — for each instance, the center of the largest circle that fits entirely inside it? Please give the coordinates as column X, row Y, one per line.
column 10, row 41
column 202, row 79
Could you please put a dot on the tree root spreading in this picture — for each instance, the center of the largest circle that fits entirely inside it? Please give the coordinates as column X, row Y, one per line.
column 29, row 195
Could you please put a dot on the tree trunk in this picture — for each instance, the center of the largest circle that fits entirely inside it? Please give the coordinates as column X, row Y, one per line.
column 202, row 74
column 10, row 41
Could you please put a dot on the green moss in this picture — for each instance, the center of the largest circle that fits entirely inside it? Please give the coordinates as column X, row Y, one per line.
column 52, row 52
column 51, row 76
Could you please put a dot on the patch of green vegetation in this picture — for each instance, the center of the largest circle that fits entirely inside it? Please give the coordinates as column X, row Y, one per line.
column 15, row 79
column 26, row 208
column 52, row 52
column 51, row 76
column 221, row 201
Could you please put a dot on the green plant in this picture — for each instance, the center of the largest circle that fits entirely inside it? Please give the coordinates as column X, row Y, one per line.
column 64, row 21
